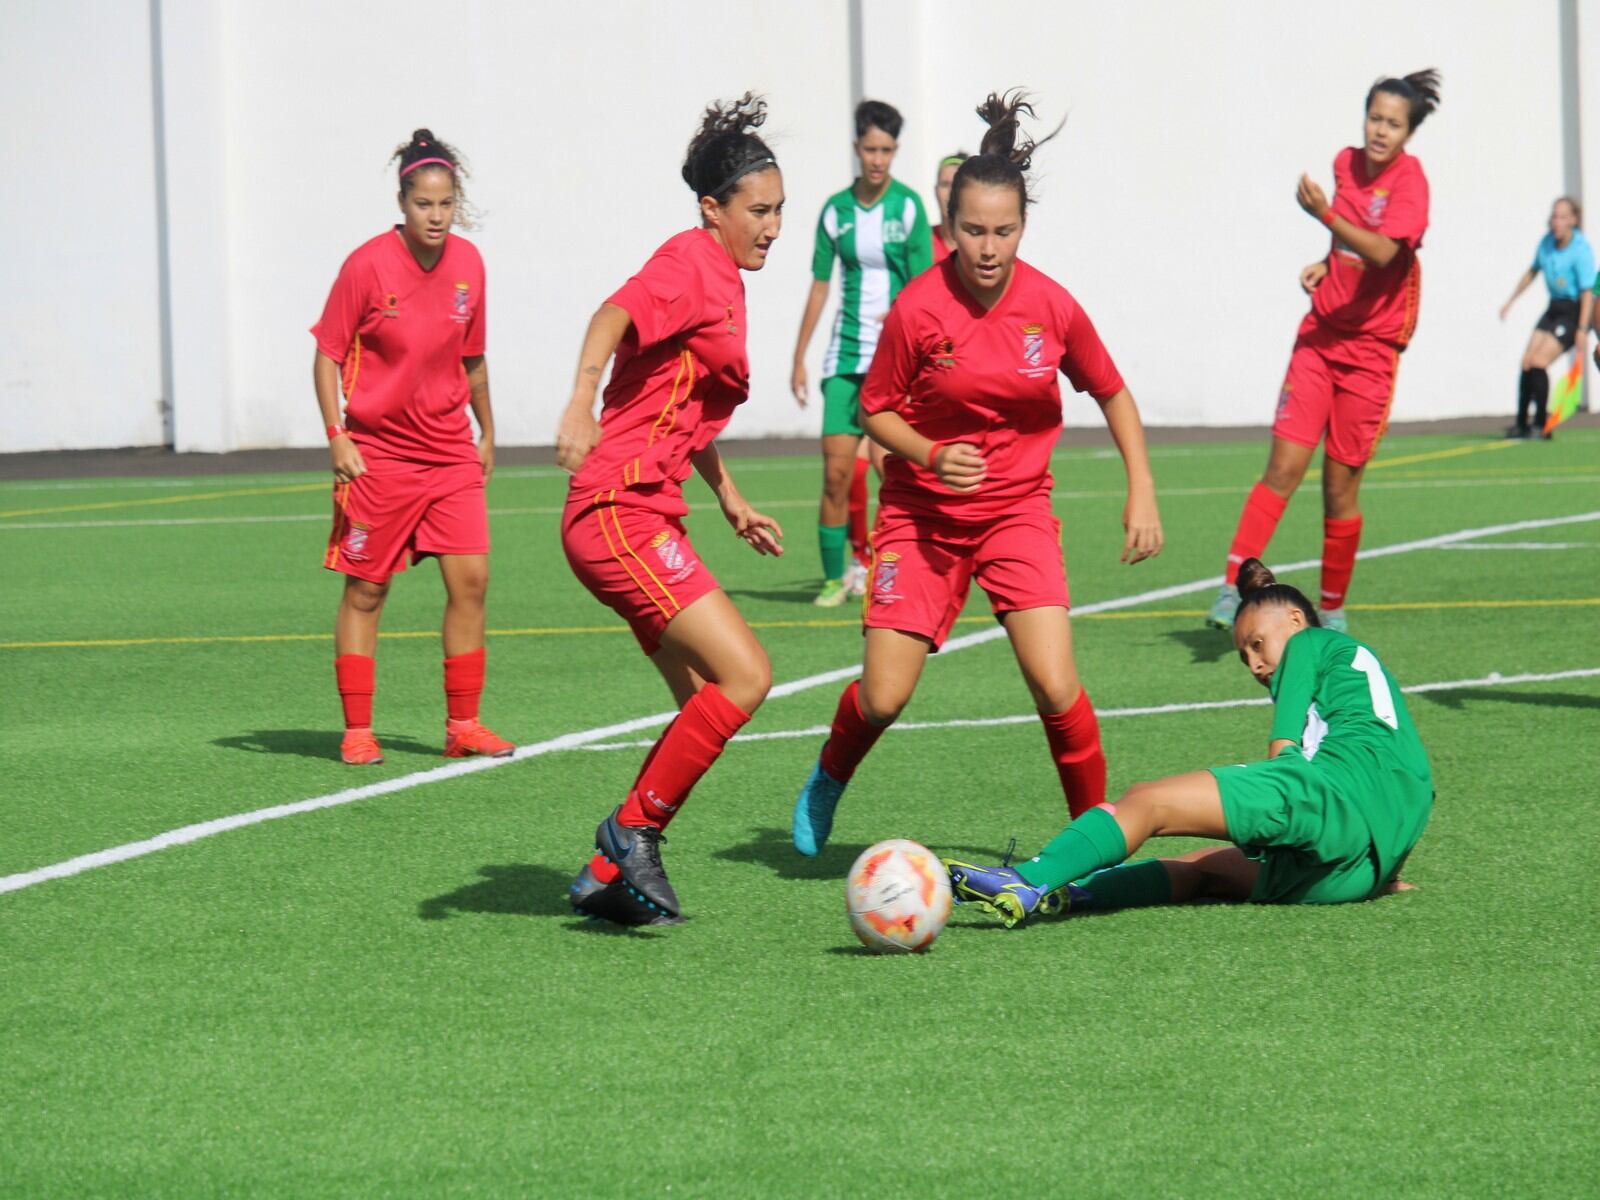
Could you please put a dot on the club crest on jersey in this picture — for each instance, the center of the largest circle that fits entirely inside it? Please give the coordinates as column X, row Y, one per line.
column 670, row 551
column 462, row 313
column 1377, row 206
column 355, row 542
column 391, row 305
column 1033, row 344
column 944, row 354
column 884, row 575
column 732, row 326
column 893, row 230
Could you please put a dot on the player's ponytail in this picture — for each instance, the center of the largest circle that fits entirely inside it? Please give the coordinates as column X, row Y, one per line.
column 424, row 153
column 1259, row 586
column 1005, row 155
column 726, row 147
column 1420, row 90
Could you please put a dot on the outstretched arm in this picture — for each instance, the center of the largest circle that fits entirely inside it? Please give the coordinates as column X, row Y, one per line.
column 1528, row 277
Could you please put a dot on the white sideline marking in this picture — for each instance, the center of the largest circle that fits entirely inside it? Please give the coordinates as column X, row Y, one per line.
column 1493, row 679
column 571, row 741
column 1520, row 546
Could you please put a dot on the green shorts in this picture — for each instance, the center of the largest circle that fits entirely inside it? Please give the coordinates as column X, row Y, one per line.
column 841, row 405
column 1312, row 842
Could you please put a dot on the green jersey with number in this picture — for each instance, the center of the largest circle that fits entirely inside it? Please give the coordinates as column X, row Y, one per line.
column 880, row 249
column 1339, row 704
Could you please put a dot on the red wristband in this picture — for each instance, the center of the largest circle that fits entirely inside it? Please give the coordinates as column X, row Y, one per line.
column 933, row 453
column 337, row 431
column 1327, row 216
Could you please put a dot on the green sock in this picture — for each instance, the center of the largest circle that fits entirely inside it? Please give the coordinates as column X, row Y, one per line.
column 1093, row 841
column 833, row 539
column 1132, row 885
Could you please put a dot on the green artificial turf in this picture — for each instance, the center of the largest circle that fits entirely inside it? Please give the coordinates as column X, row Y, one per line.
column 390, row 997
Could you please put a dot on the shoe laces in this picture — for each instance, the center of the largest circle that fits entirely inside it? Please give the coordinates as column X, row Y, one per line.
column 1005, row 860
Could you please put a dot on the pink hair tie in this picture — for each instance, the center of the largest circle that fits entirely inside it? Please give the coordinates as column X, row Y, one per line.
column 422, row 162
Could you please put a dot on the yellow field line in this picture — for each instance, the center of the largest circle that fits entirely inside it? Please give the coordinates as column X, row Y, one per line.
column 1456, row 452
column 67, row 508
column 819, row 623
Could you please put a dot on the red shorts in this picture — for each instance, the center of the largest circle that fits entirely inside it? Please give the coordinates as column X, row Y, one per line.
column 396, row 510
column 922, row 570
column 635, row 561
column 1338, row 385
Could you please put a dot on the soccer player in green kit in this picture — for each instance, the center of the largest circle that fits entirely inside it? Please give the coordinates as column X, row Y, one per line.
column 877, row 231
column 1328, row 818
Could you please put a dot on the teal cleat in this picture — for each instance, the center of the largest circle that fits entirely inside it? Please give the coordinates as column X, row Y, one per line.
column 813, row 811
column 1334, row 619
column 1223, row 607
column 1002, row 891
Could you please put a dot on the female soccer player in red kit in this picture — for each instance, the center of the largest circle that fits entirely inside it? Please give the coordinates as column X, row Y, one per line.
column 1340, row 383
column 677, row 329
column 964, row 393
column 402, row 338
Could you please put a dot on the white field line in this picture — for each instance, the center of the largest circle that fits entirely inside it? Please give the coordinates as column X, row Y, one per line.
column 1493, row 679
column 556, row 510
column 1522, row 546
column 572, row 741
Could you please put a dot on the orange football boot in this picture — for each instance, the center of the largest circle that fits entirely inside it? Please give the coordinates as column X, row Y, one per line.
column 475, row 739
column 360, row 748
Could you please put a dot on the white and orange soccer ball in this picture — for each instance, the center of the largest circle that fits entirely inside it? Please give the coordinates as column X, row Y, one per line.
column 897, row 897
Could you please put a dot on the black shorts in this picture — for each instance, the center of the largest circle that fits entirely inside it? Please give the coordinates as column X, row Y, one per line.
column 1560, row 321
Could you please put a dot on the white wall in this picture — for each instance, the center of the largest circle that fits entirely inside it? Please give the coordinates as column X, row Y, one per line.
column 80, row 324
column 575, row 129
column 1166, row 206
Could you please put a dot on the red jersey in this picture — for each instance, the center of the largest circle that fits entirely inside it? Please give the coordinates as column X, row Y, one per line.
column 400, row 333
column 960, row 373
column 941, row 249
column 679, row 373
column 1354, row 296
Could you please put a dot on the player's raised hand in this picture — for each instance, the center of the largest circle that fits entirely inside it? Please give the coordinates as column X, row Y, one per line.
column 1141, row 523
column 798, row 384
column 959, row 466
column 347, row 461
column 1311, row 197
column 1312, row 275
column 576, row 436
column 759, row 531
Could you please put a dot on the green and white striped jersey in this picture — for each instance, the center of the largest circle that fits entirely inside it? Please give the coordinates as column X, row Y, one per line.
column 881, row 248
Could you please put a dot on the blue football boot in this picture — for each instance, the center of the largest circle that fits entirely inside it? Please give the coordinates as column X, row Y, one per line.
column 813, row 811
column 1002, row 891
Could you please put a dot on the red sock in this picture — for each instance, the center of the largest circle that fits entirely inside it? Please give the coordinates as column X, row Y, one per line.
column 1340, row 539
column 858, row 509
column 602, row 870
column 1075, row 745
column 687, row 749
column 463, row 684
column 852, row 736
column 1263, row 509
column 356, row 675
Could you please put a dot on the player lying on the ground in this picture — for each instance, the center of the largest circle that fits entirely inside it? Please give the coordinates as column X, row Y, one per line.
column 1329, row 817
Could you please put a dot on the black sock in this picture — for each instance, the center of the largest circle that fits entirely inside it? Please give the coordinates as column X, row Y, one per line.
column 1539, row 385
column 1524, row 398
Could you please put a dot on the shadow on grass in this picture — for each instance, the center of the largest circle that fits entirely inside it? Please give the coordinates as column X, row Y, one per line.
column 521, row 890
column 312, row 743
column 1458, row 700
column 774, row 848
column 1205, row 645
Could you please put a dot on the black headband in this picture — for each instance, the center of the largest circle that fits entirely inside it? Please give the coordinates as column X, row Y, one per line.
column 757, row 165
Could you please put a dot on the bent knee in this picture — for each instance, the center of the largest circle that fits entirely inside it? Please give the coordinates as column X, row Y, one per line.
column 882, row 704
column 748, row 683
